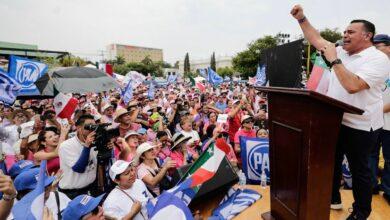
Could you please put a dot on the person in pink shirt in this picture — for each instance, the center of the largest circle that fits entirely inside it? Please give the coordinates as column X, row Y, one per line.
column 125, row 148
column 179, row 150
column 246, row 130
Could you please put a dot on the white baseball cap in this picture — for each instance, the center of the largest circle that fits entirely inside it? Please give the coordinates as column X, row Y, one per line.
column 118, row 168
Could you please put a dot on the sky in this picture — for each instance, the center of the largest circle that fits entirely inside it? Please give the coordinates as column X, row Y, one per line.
column 199, row 27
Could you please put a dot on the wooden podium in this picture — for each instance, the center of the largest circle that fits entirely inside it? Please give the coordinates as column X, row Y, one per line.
column 304, row 127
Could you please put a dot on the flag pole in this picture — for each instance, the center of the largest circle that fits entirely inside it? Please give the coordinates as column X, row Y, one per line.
column 308, row 60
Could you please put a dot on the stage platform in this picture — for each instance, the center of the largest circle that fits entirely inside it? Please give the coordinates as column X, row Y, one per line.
column 380, row 208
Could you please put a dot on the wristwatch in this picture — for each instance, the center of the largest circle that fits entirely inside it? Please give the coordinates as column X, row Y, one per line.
column 8, row 198
column 334, row 62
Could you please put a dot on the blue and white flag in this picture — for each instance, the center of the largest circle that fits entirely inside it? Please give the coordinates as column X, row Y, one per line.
column 26, row 72
column 235, row 201
column 127, row 93
column 31, row 205
column 151, row 90
column 173, row 204
column 255, row 158
column 260, row 76
column 9, row 88
column 172, row 78
column 347, row 175
column 203, row 73
column 213, row 77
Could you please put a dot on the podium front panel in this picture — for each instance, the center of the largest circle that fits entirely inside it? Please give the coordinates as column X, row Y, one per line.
column 287, row 165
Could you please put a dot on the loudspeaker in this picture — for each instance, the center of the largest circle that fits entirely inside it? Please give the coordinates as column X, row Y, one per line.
column 224, row 178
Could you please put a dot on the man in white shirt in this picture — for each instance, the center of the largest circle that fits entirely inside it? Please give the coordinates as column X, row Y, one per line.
column 78, row 161
column 358, row 71
column 129, row 198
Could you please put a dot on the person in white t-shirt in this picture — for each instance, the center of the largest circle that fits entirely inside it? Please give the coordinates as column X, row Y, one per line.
column 129, row 198
column 77, row 161
column 358, row 71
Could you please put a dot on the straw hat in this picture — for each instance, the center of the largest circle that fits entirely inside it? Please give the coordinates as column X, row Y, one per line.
column 131, row 133
column 142, row 148
column 118, row 113
column 178, row 138
column 154, row 106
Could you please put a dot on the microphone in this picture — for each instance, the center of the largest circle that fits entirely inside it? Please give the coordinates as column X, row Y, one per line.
column 338, row 43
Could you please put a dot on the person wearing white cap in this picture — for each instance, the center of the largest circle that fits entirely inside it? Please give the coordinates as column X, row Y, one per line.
column 108, row 113
column 128, row 199
column 126, row 121
column 246, row 131
column 149, row 171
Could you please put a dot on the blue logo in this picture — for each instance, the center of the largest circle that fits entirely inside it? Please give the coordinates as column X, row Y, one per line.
column 259, row 159
column 27, row 74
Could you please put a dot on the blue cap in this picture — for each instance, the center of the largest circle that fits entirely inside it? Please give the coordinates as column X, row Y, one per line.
column 20, row 166
column 141, row 131
column 381, row 38
column 29, row 179
column 80, row 206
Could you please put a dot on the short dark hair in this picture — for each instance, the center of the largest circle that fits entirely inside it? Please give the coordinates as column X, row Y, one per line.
column 368, row 27
column 82, row 118
column 161, row 134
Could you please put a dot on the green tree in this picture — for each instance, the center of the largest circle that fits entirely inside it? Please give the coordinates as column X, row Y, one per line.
column 176, row 65
column 213, row 64
column 331, row 35
column 225, row 71
column 119, row 60
column 246, row 62
column 187, row 67
column 71, row 60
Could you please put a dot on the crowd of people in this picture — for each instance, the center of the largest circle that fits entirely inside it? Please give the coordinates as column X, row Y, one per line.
column 155, row 136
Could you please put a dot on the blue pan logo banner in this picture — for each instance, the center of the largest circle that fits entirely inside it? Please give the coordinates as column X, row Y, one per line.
column 26, row 72
column 255, row 158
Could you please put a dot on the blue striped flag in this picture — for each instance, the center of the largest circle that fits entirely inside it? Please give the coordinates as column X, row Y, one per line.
column 235, row 201
column 127, row 93
column 31, row 205
column 9, row 88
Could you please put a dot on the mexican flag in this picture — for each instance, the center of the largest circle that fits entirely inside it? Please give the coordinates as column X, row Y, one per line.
column 64, row 105
column 207, row 164
column 319, row 77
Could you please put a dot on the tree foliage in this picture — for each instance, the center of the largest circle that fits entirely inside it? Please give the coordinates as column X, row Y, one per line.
column 145, row 66
column 331, row 35
column 187, row 67
column 71, row 60
column 225, row 71
column 213, row 64
column 247, row 61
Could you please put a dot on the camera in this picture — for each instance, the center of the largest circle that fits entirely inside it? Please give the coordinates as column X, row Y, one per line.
column 102, row 138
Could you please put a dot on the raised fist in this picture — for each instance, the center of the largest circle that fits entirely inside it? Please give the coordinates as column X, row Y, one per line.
column 297, row 12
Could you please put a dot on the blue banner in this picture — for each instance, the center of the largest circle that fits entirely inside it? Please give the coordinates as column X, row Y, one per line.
column 213, row 77
column 9, row 88
column 26, row 72
column 127, row 93
column 255, row 158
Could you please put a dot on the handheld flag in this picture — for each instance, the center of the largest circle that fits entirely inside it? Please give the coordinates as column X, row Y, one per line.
column 319, row 77
column 31, row 205
column 213, row 77
column 26, row 72
column 260, row 76
column 127, row 94
column 255, row 158
column 64, row 105
column 9, row 88
column 203, row 73
column 192, row 80
column 151, row 90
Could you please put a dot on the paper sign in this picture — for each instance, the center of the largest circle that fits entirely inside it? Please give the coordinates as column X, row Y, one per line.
column 222, row 118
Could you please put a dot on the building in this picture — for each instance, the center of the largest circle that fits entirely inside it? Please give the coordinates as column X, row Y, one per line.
column 220, row 61
column 27, row 50
column 134, row 53
column 169, row 71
